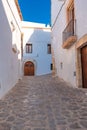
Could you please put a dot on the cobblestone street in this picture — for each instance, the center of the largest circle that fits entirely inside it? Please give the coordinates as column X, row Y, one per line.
column 44, row 103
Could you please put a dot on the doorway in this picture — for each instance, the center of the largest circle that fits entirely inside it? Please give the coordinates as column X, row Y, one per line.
column 84, row 65
column 29, row 68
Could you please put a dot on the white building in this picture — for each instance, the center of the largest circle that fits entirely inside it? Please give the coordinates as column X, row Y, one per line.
column 69, row 40
column 10, row 45
column 36, row 48
column 25, row 48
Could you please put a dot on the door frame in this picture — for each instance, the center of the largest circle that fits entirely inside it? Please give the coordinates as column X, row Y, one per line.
column 31, row 60
column 84, row 67
column 80, row 44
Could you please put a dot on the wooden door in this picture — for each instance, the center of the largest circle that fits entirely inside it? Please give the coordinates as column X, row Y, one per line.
column 29, row 68
column 84, row 65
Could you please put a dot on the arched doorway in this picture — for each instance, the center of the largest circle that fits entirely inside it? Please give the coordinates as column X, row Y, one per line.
column 82, row 62
column 84, row 65
column 29, row 68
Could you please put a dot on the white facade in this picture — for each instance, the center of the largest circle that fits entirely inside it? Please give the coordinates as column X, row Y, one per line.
column 39, row 36
column 68, row 60
column 10, row 46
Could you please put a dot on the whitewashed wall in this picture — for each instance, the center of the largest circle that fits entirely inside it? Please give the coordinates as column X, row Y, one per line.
column 81, row 17
column 55, row 8
column 10, row 62
column 66, row 57
column 39, row 36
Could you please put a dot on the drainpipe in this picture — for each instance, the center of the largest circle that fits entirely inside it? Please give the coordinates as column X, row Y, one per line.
column 54, row 72
column 58, row 12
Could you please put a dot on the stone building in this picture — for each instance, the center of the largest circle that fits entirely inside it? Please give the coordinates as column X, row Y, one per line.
column 69, row 40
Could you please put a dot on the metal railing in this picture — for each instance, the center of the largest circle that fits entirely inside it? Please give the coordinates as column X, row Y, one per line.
column 69, row 30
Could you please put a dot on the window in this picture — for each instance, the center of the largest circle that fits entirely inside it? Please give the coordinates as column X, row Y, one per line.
column 51, row 66
column 28, row 48
column 49, row 48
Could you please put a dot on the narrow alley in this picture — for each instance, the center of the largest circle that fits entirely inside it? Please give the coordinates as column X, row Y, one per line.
column 44, row 103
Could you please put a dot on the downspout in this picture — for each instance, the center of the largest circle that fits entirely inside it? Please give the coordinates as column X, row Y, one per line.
column 58, row 14
column 54, row 72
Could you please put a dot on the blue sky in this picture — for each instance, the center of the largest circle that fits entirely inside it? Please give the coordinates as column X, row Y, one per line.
column 35, row 10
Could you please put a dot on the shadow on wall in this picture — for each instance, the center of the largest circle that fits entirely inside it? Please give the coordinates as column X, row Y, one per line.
column 39, row 56
column 37, row 39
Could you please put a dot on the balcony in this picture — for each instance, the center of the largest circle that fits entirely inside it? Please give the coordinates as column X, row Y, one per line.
column 69, row 36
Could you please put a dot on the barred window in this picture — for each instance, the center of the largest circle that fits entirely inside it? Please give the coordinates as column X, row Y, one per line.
column 49, row 48
column 51, row 66
column 28, row 48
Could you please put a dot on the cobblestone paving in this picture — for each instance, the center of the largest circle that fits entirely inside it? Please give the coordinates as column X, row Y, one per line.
column 44, row 103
